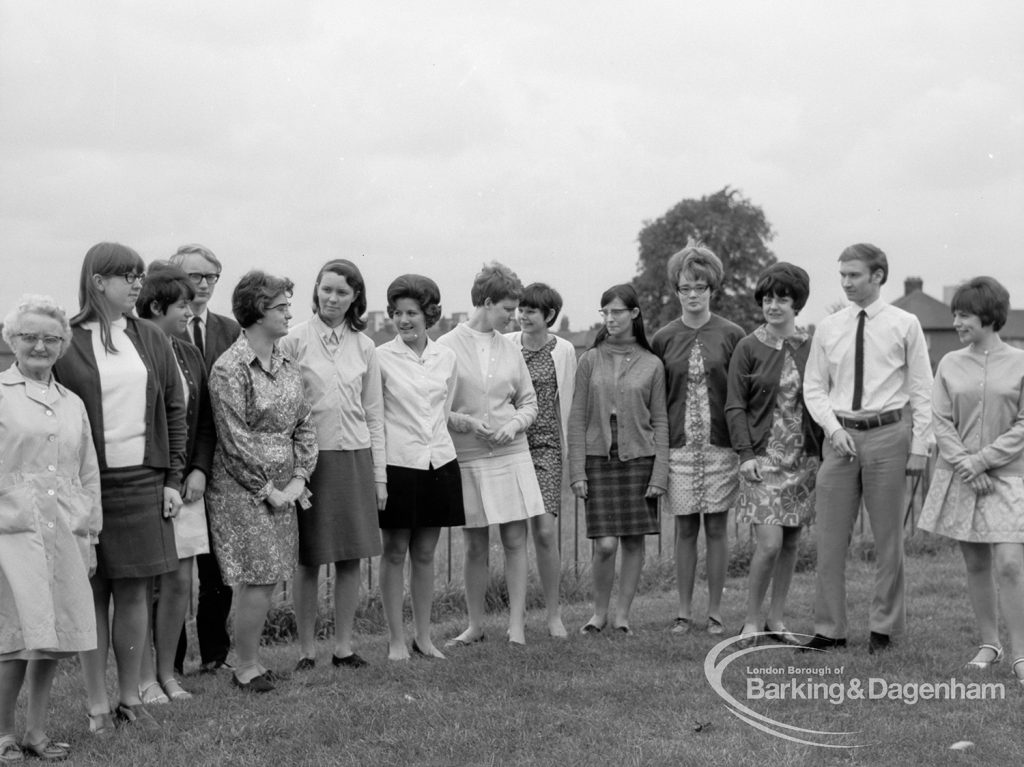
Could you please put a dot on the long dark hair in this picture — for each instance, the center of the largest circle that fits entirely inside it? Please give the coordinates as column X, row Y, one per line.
column 626, row 294
column 105, row 259
column 345, row 268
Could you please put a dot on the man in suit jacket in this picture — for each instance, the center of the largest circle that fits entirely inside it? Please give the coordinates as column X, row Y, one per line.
column 212, row 334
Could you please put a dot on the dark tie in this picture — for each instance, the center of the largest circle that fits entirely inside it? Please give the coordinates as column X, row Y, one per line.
column 858, row 362
column 197, row 335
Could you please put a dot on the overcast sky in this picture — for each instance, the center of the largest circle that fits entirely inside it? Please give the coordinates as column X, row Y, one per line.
column 430, row 137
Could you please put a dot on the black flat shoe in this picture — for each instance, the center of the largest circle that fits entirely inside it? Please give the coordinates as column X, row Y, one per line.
column 305, row 664
column 256, row 684
column 349, row 661
column 878, row 643
column 821, row 642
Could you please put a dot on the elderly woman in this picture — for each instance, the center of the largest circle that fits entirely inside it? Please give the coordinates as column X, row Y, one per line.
column 779, row 444
column 266, row 452
column 341, row 378
column 703, row 468
column 552, row 364
column 618, row 450
column 424, row 486
column 164, row 300
column 977, row 491
column 49, row 524
column 124, row 370
column 494, row 405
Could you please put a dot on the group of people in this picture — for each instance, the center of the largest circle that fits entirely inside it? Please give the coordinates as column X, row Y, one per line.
column 146, row 431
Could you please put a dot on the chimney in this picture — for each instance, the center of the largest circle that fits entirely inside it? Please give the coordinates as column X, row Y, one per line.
column 911, row 284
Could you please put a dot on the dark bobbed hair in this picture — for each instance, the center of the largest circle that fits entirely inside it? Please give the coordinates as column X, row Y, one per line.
column 422, row 290
column 544, row 299
column 784, row 280
column 496, row 282
column 105, row 259
column 345, row 268
column 984, row 297
column 166, row 285
column 873, row 257
column 627, row 294
column 253, row 294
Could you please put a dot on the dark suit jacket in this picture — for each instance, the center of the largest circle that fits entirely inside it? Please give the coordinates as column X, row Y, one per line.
column 202, row 437
column 221, row 332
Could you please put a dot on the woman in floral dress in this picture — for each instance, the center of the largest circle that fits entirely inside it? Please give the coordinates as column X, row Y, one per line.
column 266, row 451
column 778, row 443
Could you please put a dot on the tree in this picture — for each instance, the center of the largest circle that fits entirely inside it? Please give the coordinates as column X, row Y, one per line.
column 728, row 223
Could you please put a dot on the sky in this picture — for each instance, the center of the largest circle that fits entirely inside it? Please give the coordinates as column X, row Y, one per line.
column 433, row 137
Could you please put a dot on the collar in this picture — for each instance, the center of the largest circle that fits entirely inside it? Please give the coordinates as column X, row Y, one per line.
column 277, row 357
column 872, row 310
column 13, row 377
column 401, row 347
column 324, row 330
column 771, row 340
column 203, row 316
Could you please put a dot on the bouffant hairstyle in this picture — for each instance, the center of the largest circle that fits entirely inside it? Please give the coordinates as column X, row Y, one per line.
column 345, row 268
column 544, row 299
column 252, row 295
column 627, row 294
column 422, row 290
column 496, row 282
column 784, row 280
column 164, row 285
column 872, row 256
column 34, row 304
column 105, row 259
column 698, row 261
column 985, row 298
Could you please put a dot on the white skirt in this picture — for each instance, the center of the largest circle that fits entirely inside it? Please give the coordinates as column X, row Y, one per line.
column 190, row 534
column 500, row 489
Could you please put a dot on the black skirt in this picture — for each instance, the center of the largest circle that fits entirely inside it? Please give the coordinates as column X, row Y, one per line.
column 137, row 541
column 424, row 498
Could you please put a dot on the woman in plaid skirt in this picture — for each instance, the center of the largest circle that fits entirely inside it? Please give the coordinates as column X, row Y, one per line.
column 618, row 450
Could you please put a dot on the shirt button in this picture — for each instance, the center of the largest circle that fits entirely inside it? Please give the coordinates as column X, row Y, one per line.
column 49, row 492
column 49, row 412
column 51, row 438
column 49, row 525
column 51, row 467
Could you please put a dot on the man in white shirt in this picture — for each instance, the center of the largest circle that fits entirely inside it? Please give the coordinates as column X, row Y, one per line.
column 867, row 362
column 212, row 334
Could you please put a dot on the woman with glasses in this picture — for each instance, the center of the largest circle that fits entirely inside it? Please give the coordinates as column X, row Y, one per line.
column 703, row 468
column 341, row 377
column 266, row 452
column 618, row 450
column 49, row 523
column 125, row 371
column 778, row 442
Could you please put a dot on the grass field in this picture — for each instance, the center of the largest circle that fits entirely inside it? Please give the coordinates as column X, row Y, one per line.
column 603, row 700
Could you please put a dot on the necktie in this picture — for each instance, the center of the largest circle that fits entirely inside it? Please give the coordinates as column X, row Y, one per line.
column 197, row 335
column 858, row 362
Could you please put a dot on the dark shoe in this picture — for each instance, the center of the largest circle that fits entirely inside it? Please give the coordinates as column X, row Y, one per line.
column 591, row 628
column 878, row 642
column 681, row 626
column 215, row 665
column 135, row 716
column 47, row 750
column 349, row 661
column 782, row 635
column 416, row 649
column 821, row 642
column 276, row 676
column 256, row 684
column 305, row 664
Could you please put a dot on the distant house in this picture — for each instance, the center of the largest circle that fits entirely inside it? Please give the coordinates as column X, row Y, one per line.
column 936, row 320
column 6, row 354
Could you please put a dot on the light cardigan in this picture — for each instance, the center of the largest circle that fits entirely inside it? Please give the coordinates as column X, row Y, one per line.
column 564, row 357
column 505, row 394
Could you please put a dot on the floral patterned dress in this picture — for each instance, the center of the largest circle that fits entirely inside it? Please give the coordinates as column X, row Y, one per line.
column 785, row 494
column 545, row 434
column 264, row 438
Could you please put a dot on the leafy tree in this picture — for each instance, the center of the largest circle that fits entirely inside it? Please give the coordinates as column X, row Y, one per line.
column 728, row 223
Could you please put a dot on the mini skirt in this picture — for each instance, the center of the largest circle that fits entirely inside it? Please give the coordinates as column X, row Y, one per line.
column 423, row 498
column 500, row 489
column 136, row 541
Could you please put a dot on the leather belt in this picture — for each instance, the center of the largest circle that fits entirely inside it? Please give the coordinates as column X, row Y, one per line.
column 871, row 421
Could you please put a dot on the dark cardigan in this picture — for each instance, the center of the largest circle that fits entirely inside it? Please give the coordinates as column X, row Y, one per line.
column 754, row 374
column 717, row 338
column 202, row 435
column 165, row 406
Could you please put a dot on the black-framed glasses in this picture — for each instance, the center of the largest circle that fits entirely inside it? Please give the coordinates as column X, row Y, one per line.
column 285, row 307
column 33, row 339
column 210, row 277
column 134, row 277
column 692, row 290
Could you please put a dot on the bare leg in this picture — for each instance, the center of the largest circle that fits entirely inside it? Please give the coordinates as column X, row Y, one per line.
column 305, row 592
column 513, row 539
column 94, row 662
column 346, row 600
column 252, row 603
column 762, row 566
column 981, row 589
column 475, row 576
column 629, row 577
column 131, row 614
column 40, row 682
column 783, row 576
column 421, row 552
column 716, row 536
column 147, row 667
column 12, row 674
column 549, row 566
column 687, row 528
column 175, row 588
column 1009, row 567
column 603, row 565
column 392, row 588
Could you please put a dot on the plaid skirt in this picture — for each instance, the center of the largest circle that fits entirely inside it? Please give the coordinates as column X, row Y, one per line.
column 616, row 505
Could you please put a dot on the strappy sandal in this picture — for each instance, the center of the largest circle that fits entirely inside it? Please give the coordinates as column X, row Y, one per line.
column 153, row 694
column 997, row 656
column 48, row 750
column 715, row 626
column 175, row 691
column 1018, row 674
column 10, row 751
column 101, row 724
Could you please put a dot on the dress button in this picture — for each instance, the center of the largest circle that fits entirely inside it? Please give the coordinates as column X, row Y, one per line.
column 51, row 438
column 51, row 467
column 49, row 492
column 49, row 412
column 49, row 525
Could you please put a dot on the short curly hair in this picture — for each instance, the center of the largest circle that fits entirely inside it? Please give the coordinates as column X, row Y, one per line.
column 985, row 298
column 496, row 282
column 422, row 290
column 698, row 260
column 784, row 280
column 36, row 304
column 252, row 295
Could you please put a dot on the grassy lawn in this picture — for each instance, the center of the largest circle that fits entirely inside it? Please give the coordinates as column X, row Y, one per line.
column 602, row 700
